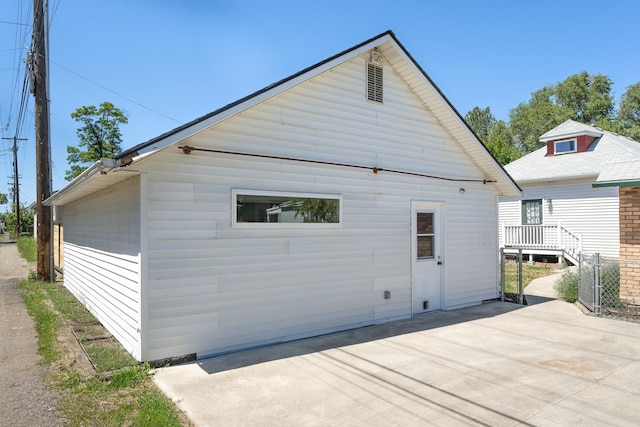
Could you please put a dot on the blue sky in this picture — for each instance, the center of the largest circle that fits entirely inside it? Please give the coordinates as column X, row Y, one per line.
column 167, row 62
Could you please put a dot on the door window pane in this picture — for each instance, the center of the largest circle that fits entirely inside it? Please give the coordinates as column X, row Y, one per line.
column 425, row 235
column 425, row 223
column 425, row 247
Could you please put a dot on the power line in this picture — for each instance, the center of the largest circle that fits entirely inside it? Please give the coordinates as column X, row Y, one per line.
column 13, row 23
column 114, row 92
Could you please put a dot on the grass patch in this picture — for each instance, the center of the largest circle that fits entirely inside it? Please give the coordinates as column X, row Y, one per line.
column 108, row 355
column 46, row 322
column 529, row 273
column 27, row 248
column 128, row 398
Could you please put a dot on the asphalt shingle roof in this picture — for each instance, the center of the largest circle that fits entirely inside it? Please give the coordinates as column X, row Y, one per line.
column 608, row 148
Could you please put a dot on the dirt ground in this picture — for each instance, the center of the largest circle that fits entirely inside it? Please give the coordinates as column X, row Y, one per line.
column 25, row 398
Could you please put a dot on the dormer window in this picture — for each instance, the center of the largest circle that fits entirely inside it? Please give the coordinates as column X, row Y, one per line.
column 567, row 146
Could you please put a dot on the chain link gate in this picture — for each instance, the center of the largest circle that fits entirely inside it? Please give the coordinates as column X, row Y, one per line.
column 511, row 287
column 599, row 284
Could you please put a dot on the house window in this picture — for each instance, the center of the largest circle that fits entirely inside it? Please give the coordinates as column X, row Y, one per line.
column 532, row 212
column 562, row 147
column 276, row 208
column 374, row 82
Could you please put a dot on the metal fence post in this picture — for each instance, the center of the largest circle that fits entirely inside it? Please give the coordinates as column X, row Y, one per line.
column 520, row 287
column 502, row 274
column 596, row 286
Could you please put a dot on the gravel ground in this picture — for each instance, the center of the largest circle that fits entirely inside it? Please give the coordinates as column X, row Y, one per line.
column 25, row 399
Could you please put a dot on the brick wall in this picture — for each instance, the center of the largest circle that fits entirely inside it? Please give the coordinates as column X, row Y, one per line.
column 630, row 244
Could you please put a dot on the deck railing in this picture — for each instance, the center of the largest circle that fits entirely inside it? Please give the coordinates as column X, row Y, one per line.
column 543, row 237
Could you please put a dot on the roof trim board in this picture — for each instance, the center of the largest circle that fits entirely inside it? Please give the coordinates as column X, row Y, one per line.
column 623, row 183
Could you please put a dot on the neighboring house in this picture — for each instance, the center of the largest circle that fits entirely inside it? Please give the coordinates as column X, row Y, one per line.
column 187, row 245
column 560, row 213
column 624, row 177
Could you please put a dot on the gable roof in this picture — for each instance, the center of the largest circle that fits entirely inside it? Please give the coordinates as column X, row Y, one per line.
column 608, row 147
column 395, row 55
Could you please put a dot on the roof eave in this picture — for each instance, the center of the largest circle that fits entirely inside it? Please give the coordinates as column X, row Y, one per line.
column 621, row 183
column 556, row 178
column 568, row 135
column 98, row 176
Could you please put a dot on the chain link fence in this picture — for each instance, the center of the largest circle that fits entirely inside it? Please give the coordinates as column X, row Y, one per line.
column 599, row 287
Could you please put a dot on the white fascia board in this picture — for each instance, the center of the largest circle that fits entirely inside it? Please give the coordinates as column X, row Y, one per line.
column 557, row 178
column 99, row 166
column 469, row 141
column 258, row 99
column 570, row 135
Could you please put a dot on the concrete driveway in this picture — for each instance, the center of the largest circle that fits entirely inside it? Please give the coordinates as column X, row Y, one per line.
column 498, row 364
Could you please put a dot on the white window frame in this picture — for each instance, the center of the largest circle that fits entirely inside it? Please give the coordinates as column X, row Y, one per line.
column 575, row 146
column 234, row 204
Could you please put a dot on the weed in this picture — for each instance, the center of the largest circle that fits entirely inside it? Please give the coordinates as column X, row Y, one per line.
column 155, row 410
column 107, row 356
column 45, row 320
column 129, row 398
column 567, row 285
column 27, row 248
column 131, row 376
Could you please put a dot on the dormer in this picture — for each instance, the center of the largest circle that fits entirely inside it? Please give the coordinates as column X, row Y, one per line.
column 570, row 137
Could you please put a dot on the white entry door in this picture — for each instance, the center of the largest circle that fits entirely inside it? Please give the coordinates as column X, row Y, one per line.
column 427, row 256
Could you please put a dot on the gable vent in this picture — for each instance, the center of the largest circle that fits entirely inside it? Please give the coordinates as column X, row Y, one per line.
column 374, row 82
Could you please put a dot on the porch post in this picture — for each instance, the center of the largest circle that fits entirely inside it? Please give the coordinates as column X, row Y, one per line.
column 560, row 245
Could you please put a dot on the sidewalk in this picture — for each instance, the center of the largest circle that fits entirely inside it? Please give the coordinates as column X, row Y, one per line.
column 25, row 400
column 541, row 289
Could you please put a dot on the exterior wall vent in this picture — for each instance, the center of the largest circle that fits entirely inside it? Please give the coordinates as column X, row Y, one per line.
column 374, row 82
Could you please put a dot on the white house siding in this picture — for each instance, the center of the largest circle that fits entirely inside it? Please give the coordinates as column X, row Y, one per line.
column 102, row 253
column 214, row 288
column 582, row 209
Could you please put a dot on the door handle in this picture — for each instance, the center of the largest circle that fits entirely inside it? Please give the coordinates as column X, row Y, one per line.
column 439, row 262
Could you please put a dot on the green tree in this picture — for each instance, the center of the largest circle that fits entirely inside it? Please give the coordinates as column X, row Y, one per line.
column 586, row 97
column 496, row 135
column 99, row 136
column 628, row 117
column 481, row 121
column 3, row 199
column 501, row 144
column 9, row 219
column 529, row 120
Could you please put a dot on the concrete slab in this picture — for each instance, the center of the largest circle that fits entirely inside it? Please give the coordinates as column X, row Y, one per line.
column 497, row 364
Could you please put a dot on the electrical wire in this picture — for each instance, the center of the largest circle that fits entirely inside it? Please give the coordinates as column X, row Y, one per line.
column 115, row 93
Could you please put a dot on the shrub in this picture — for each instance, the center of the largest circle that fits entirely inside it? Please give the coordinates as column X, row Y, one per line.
column 567, row 286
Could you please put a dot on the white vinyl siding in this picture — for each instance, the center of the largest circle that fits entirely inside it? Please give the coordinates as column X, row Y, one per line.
column 102, row 258
column 214, row 288
column 582, row 209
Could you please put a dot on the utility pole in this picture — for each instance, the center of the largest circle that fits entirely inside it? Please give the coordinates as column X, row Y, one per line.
column 40, row 60
column 16, row 185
